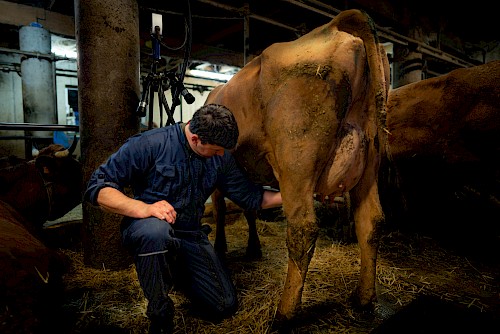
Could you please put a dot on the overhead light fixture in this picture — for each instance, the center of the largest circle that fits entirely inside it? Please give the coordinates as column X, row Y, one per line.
column 210, row 75
column 63, row 47
column 61, row 52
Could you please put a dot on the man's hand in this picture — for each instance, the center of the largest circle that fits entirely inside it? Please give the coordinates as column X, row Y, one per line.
column 163, row 210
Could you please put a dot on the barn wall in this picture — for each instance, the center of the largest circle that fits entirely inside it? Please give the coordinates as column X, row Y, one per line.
column 11, row 104
column 11, row 99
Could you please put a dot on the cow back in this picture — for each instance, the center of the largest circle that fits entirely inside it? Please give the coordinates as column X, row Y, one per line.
column 456, row 116
column 444, row 152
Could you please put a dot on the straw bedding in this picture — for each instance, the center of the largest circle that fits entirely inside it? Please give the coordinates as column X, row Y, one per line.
column 413, row 271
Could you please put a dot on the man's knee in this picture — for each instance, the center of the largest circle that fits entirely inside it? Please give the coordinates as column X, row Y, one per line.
column 152, row 229
column 150, row 234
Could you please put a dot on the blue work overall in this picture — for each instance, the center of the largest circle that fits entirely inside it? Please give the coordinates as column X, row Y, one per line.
column 164, row 257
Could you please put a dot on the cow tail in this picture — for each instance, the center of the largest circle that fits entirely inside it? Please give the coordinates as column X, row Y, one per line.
column 358, row 23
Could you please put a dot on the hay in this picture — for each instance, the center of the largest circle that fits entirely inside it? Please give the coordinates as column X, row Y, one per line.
column 408, row 267
column 103, row 297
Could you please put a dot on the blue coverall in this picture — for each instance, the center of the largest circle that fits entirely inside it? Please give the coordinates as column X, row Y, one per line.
column 159, row 165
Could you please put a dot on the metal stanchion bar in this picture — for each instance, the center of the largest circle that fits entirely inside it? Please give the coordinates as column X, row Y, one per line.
column 38, row 127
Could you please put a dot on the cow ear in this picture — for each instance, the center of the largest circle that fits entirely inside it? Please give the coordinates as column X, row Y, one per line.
column 46, row 165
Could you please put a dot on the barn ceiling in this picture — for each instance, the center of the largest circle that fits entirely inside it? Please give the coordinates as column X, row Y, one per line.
column 218, row 26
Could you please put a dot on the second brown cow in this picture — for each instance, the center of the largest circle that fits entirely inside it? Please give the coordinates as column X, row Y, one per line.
column 444, row 150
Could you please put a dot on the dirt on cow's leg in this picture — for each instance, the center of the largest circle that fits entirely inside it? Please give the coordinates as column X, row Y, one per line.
column 302, row 232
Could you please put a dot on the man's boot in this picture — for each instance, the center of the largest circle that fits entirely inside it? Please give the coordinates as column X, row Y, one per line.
column 163, row 324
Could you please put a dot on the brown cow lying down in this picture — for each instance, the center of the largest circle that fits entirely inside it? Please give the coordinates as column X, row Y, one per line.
column 310, row 114
column 31, row 274
column 445, row 145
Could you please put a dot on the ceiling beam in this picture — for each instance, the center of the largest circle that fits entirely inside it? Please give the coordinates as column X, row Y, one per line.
column 243, row 12
column 22, row 15
column 313, row 9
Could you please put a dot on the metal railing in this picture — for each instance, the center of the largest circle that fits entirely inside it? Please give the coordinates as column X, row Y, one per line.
column 29, row 139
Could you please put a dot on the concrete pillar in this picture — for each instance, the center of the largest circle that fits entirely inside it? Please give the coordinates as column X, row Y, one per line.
column 107, row 35
column 38, row 82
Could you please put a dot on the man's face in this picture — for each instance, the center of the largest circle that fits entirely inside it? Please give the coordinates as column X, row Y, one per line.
column 208, row 150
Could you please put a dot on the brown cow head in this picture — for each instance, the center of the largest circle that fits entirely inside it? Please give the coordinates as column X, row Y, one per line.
column 44, row 188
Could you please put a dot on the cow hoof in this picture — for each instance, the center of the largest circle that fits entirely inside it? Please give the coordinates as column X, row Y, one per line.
column 222, row 256
column 220, row 249
column 281, row 325
column 253, row 254
column 362, row 307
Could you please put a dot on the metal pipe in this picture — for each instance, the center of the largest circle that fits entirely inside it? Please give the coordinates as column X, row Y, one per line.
column 312, row 9
column 50, row 56
column 38, row 127
column 319, row 3
column 23, row 137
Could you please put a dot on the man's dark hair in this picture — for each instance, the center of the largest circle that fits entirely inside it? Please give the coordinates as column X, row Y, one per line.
column 215, row 125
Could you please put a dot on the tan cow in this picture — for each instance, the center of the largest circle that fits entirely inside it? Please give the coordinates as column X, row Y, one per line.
column 433, row 117
column 31, row 193
column 445, row 145
column 310, row 114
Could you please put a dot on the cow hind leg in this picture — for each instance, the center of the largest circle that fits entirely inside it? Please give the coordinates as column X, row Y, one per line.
column 368, row 217
column 302, row 232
